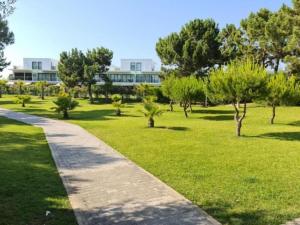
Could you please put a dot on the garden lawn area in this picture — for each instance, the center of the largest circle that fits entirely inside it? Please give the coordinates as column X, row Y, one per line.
column 250, row 180
column 29, row 182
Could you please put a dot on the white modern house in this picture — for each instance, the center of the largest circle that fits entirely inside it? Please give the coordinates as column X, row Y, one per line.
column 131, row 72
column 36, row 69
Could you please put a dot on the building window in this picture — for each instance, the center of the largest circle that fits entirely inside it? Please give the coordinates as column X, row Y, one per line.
column 138, row 66
column 36, row 65
column 135, row 66
column 39, row 65
column 132, row 66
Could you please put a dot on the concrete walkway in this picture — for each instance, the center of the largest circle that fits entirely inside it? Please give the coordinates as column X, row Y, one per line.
column 106, row 188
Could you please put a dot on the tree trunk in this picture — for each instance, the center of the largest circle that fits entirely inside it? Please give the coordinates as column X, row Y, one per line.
column 0, row 93
column 185, row 106
column 190, row 105
column 118, row 112
column 273, row 113
column 239, row 120
column 90, row 93
column 171, row 105
column 238, row 104
column 206, row 101
column 237, row 112
column 151, row 122
column 23, row 104
column 276, row 65
column 65, row 114
column 43, row 94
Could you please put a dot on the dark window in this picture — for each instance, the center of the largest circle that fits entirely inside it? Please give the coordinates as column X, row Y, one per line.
column 28, row 76
column 19, row 76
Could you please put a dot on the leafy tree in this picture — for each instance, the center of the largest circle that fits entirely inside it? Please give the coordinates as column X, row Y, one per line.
column 185, row 90
column 232, row 42
column 239, row 81
column 193, row 50
column 3, row 85
column 6, row 38
column 23, row 99
column 168, row 90
column 97, row 62
column 117, row 103
column 150, row 110
column 268, row 36
column 142, row 90
column 7, row 8
column 20, row 86
column 71, row 68
column 64, row 103
column 41, row 86
column 281, row 90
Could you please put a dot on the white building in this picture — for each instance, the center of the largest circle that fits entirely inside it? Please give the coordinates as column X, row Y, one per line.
column 36, row 69
column 131, row 72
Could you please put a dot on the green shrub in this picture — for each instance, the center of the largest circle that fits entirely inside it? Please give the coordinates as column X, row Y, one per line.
column 117, row 103
column 23, row 99
column 64, row 103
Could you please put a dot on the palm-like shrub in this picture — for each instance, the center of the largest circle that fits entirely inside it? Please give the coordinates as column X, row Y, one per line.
column 23, row 99
column 64, row 103
column 150, row 110
column 117, row 103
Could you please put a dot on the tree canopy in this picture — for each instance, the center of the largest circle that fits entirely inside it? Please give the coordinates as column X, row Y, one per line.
column 193, row 50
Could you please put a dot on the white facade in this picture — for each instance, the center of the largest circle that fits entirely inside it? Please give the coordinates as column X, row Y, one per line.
column 39, row 63
column 142, row 65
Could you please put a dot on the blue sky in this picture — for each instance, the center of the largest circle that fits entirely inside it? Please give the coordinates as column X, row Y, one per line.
column 128, row 27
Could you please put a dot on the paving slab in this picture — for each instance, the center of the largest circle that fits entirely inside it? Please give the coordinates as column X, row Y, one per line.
column 104, row 187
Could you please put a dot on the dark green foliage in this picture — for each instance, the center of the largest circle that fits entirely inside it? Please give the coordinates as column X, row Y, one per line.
column 97, row 62
column 193, row 50
column 71, row 68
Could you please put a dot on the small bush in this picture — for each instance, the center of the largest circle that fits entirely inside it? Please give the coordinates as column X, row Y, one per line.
column 23, row 99
column 64, row 103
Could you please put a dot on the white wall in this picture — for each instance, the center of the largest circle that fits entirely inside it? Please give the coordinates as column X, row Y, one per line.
column 147, row 64
column 46, row 63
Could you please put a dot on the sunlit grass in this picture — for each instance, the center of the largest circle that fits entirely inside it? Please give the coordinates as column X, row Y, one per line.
column 251, row 180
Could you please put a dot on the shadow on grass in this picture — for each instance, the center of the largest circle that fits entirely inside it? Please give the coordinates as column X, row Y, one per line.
column 30, row 183
column 173, row 128
column 213, row 111
column 283, row 136
column 218, row 118
column 91, row 115
column 295, row 123
column 222, row 212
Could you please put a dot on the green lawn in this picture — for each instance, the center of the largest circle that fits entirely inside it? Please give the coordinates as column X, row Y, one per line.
column 251, row 180
column 29, row 182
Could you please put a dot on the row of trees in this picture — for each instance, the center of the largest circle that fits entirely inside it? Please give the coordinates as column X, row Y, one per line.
column 241, row 81
column 270, row 38
column 76, row 68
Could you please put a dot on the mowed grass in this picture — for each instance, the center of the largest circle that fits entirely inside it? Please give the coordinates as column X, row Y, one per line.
column 250, row 180
column 29, row 182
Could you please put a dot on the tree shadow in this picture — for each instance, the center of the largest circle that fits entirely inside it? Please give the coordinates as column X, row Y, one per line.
column 213, row 111
column 218, row 118
column 133, row 212
column 91, row 115
column 295, row 123
column 222, row 211
column 30, row 183
column 173, row 128
column 285, row 136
